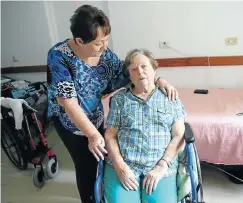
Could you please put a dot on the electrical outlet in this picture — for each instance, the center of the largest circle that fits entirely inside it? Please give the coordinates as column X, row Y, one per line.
column 231, row 41
column 15, row 59
column 163, row 45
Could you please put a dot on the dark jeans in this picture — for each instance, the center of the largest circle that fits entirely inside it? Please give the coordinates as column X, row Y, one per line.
column 84, row 161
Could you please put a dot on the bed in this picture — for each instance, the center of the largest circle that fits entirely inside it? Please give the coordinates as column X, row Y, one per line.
column 216, row 121
column 217, row 124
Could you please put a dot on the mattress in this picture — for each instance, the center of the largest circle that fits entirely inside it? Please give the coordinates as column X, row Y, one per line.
column 217, row 123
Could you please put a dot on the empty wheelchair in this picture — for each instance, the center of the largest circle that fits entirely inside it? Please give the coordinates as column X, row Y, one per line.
column 28, row 145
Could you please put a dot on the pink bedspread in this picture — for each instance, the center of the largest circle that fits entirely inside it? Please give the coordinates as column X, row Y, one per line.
column 217, row 129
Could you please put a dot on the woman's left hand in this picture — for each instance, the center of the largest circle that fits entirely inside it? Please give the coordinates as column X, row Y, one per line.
column 171, row 92
column 168, row 89
column 151, row 180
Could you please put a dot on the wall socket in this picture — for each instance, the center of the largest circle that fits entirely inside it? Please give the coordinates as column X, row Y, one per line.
column 163, row 45
column 229, row 41
column 15, row 59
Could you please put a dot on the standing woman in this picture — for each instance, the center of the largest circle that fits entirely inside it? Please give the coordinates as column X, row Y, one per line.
column 80, row 71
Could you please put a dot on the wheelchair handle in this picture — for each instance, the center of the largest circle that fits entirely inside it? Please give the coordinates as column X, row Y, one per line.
column 189, row 136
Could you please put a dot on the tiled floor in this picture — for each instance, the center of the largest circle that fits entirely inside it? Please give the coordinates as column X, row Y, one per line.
column 17, row 186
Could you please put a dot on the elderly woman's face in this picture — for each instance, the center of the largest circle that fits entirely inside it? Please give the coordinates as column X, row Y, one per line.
column 141, row 71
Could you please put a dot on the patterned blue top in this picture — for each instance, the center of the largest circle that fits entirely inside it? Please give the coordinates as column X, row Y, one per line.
column 144, row 128
column 70, row 77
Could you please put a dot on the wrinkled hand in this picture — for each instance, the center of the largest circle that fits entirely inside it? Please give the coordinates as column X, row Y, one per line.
column 170, row 91
column 97, row 146
column 151, row 180
column 127, row 177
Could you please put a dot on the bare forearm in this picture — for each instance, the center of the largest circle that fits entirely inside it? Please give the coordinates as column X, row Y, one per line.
column 177, row 143
column 113, row 148
column 78, row 117
column 173, row 148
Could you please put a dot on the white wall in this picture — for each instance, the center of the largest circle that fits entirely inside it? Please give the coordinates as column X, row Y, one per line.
column 204, row 77
column 193, row 28
column 24, row 33
column 190, row 28
column 29, row 29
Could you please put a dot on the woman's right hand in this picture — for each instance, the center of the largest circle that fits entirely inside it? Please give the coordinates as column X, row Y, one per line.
column 127, row 177
column 97, row 146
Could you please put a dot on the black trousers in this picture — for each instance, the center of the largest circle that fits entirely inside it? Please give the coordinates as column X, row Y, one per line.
column 84, row 161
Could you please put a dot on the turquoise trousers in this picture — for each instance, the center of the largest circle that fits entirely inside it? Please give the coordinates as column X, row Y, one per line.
column 114, row 192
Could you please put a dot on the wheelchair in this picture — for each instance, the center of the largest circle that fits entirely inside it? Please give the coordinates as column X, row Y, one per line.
column 193, row 172
column 28, row 145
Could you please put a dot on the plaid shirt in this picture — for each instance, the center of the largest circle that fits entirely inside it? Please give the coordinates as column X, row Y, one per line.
column 144, row 128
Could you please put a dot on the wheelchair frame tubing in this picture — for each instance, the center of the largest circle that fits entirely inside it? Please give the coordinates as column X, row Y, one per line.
column 98, row 182
column 189, row 149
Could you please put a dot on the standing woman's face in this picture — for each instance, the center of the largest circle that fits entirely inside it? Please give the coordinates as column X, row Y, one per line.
column 96, row 47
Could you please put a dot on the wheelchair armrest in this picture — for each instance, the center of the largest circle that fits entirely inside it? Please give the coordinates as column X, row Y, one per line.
column 189, row 136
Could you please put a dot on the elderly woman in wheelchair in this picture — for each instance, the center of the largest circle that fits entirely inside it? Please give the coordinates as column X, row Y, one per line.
column 144, row 138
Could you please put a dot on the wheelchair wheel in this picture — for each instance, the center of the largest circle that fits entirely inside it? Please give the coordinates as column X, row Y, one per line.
column 38, row 177
column 52, row 168
column 11, row 145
